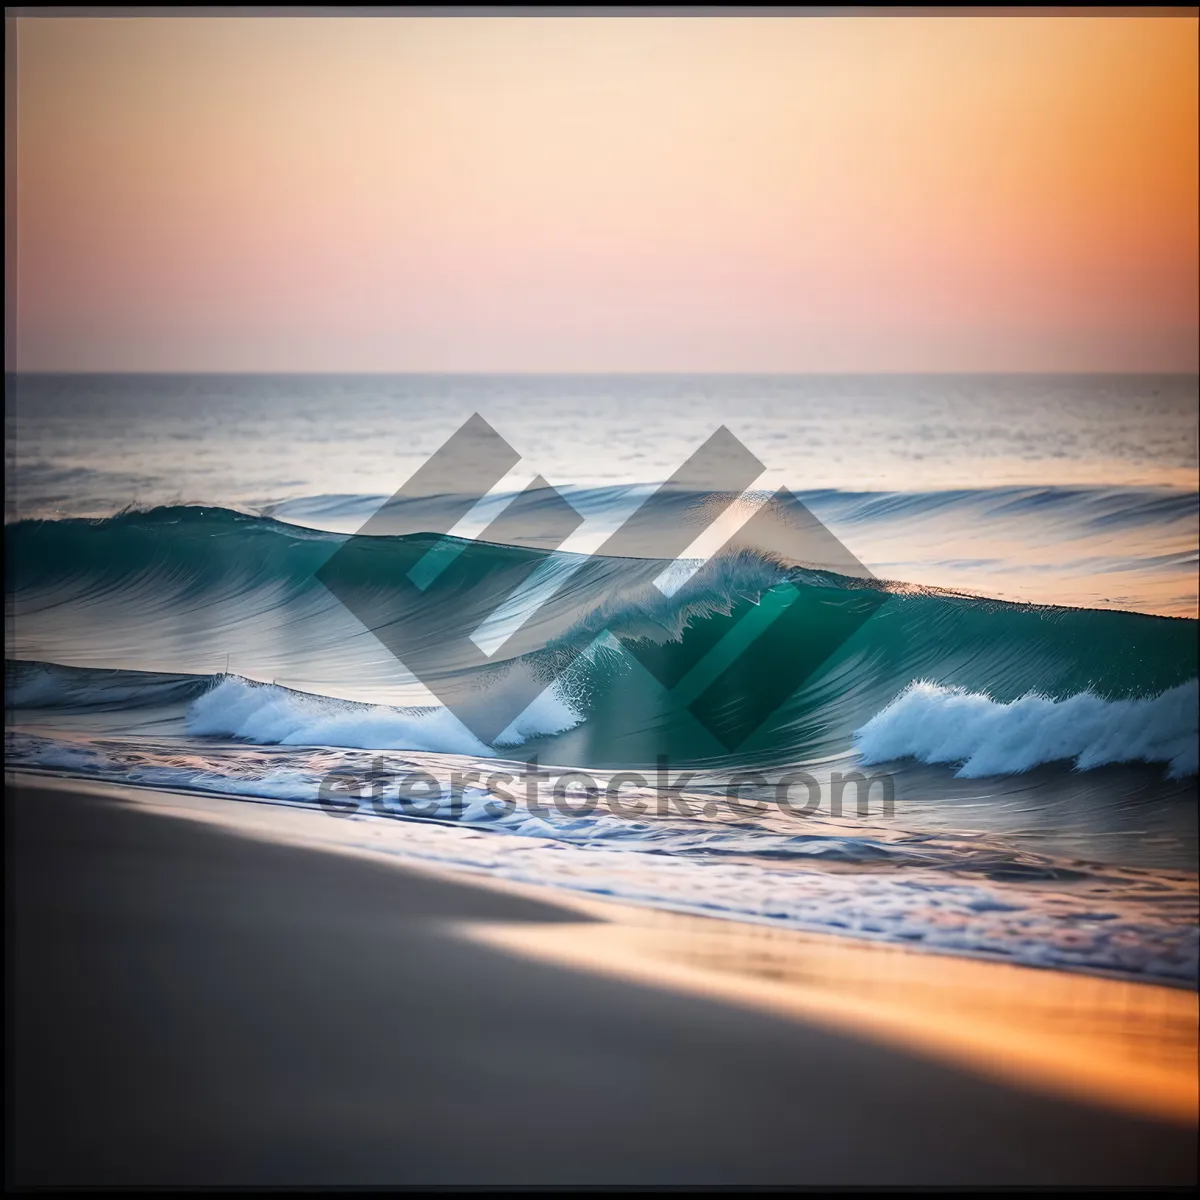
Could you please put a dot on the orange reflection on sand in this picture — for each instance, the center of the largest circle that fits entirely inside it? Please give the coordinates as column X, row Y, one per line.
column 1129, row 1045
column 1124, row 1044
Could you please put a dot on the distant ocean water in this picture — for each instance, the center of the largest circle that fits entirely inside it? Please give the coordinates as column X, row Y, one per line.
column 1030, row 683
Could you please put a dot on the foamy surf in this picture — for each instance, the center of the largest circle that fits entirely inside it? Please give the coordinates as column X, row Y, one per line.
column 936, row 724
column 846, row 877
column 269, row 715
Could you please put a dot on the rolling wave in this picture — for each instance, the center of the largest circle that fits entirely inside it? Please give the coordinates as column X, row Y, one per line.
column 196, row 591
column 275, row 716
column 949, row 725
column 926, row 722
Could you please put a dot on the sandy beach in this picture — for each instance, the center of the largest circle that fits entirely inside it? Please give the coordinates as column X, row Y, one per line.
column 192, row 1006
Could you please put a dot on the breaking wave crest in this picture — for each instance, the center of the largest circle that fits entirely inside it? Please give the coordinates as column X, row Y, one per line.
column 937, row 724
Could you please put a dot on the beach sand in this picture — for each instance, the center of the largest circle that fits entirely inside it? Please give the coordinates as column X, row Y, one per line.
column 190, row 1005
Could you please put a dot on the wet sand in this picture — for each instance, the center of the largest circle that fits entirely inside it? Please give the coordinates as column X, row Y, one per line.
column 1128, row 1045
column 192, row 1006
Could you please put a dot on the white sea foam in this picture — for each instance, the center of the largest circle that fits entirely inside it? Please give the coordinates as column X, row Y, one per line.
column 274, row 716
column 549, row 713
column 950, row 725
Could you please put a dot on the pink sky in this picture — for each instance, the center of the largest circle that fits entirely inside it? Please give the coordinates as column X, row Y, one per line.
column 719, row 194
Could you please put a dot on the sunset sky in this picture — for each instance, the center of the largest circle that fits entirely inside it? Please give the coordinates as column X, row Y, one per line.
column 555, row 194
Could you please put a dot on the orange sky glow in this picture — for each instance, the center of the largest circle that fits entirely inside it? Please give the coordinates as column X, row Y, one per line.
column 876, row 193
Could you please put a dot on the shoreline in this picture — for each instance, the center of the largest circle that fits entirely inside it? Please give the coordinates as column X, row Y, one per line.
column 1125, row 1044
column 291, row 822
column 190, row 1006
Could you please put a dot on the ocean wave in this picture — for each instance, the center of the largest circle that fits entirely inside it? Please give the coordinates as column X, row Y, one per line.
column 951, row 725
column 41, row 685
column 179, row 593
column 275, row 716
